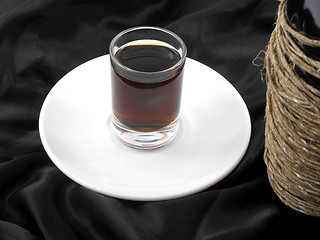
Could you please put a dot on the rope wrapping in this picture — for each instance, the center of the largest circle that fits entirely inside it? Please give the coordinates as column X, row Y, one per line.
column 292, row 131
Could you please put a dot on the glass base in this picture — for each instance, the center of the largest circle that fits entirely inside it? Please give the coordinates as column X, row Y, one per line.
column 145, row 140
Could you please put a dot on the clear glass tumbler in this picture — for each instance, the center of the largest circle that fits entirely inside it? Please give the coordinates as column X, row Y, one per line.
column 146, row 76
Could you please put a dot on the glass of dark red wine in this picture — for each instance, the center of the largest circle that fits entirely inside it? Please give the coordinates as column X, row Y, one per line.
column 146, row 77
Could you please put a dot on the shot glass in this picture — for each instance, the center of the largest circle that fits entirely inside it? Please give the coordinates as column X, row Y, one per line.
column 146, row 77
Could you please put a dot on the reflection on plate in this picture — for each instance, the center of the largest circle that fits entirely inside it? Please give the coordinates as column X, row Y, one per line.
column 213, row 136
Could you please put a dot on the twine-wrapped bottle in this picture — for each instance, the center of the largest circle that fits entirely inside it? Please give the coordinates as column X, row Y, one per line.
column 292, row 145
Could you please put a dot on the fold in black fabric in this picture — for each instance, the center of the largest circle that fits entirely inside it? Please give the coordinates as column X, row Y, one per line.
column 42, row 40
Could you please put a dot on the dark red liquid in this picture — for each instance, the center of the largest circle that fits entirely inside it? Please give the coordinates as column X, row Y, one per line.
column 148, row 105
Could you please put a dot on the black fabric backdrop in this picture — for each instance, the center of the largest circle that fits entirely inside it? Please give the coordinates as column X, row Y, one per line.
column 41, row 40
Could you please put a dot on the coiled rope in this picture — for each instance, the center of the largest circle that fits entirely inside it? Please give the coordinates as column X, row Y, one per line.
column 292, row 143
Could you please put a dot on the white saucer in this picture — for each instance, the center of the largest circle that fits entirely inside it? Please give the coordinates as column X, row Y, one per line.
column 213, row 136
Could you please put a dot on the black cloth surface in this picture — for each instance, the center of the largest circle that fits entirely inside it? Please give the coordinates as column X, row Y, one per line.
column 42, row 40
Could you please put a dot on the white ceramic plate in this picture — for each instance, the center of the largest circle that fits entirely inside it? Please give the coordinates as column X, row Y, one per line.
column 75, row 129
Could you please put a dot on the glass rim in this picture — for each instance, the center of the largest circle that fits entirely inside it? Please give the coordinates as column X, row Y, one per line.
column 175, row 66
